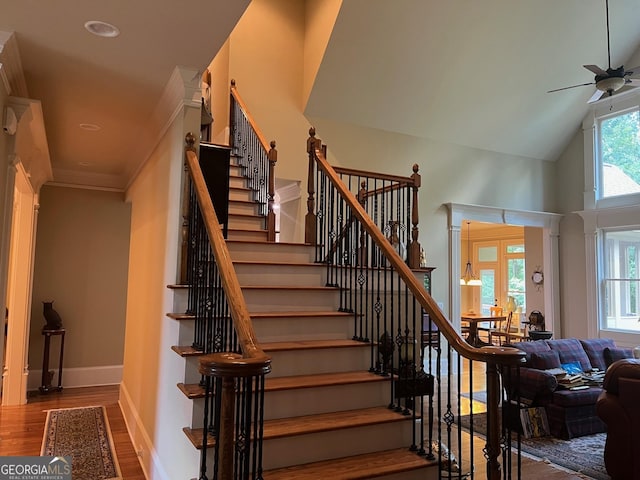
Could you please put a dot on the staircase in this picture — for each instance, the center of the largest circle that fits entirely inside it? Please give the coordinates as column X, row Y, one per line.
column 326, row 415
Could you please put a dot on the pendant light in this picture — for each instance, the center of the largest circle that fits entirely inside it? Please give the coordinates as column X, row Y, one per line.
column 469, row 278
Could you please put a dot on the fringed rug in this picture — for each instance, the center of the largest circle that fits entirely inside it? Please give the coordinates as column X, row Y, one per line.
column 583, row 455
column 84, row 435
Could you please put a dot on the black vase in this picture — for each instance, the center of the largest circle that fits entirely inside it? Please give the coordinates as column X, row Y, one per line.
column 54, row 322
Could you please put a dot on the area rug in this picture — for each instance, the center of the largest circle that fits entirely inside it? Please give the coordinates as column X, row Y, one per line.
column 84, row 435
column 583, row 455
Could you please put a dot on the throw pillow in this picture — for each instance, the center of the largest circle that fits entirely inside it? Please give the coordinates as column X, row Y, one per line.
column 613, row 354
column 545, row 360
column 595, row 350
column 570, row 350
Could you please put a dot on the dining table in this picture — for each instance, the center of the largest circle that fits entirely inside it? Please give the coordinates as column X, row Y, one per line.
column 473, row 319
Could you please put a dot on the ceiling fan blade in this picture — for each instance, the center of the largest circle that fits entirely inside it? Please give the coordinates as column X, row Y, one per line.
column 596, row 96
column 595, row 69
column 572, row 86
column 632, row 82
column 632, row 72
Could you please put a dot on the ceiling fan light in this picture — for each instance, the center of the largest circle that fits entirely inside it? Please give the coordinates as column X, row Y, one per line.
column 610, row 84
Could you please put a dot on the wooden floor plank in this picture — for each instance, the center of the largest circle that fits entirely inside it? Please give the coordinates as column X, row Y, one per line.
column 22, row 427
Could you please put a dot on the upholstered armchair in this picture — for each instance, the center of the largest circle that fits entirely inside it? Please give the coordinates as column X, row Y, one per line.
column 618, row 407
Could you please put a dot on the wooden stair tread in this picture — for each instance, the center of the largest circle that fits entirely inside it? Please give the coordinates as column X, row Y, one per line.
column 279, row 263
column 289, row 287
column 186, row 350
column 311, row 345
column 321, row 380
column 323, row 422
column 181, row 316
column 296, row 244
column 244, row 215
column 192, row 390
column 276, row 384
column 358, row 467
column 261, row 230
column 305, row 313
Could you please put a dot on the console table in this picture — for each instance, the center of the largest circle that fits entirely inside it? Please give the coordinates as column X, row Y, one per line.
column 47, row 375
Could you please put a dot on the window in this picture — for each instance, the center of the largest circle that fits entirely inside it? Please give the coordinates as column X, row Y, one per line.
column 621, row 280
column 502, row 271
column 619, row 154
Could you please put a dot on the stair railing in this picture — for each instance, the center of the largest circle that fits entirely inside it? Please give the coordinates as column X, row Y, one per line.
column 354, row 228
column 233, row 366
column 256, row 157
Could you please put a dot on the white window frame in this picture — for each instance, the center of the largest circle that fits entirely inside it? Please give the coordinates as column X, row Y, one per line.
column 619, row 212
column 602, row 110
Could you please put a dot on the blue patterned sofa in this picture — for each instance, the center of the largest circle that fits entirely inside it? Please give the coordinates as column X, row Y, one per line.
column 571, row 413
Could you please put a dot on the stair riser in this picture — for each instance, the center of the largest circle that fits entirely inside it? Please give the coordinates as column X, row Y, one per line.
column 323, row 360
column 240, row 194
column 269, row 300
column 236, row 181
column 303, row 328
column 271, row 251
column 252, row 236
column 309, row 401
column 180, row 298
column 248, row 223
column 339, row 443
column 243, row 208
column 256, row 274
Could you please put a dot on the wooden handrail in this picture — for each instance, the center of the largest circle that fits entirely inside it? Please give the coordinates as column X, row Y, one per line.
column 491, row 354
column 239, row 313
column 247, row 114
column 376, row 175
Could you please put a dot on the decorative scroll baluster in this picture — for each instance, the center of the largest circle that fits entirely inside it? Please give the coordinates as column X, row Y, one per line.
column 255, row 156
column 233, row 367
column 271, row 194
column 360, row 227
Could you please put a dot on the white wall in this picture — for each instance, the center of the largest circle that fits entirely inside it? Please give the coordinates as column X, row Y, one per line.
column 569, row 183
column 81, row 263
column 154, row 409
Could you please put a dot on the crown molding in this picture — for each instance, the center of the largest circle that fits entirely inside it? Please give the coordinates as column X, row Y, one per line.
column 31, row 140
column 12, row 73
column 182, row 90
column 87, row 180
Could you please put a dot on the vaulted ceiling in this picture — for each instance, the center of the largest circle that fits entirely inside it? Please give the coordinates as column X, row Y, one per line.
column 472, row 73
column 461, row 71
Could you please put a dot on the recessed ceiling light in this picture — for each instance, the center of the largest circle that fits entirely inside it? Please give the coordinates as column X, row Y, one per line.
column 102, row 29
column 84, row 164
column 91, row 127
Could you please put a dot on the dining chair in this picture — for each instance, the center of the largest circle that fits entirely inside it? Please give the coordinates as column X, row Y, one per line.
column 505, row 335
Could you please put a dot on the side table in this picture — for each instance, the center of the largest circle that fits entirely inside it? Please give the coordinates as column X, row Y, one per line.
column 47, row 375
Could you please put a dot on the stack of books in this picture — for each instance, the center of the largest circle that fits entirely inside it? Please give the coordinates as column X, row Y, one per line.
column 571, row 381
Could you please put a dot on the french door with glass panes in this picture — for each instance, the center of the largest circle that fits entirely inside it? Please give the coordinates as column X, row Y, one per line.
column 501, row 268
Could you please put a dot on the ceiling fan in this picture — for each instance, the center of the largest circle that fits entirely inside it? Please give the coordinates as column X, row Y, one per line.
column 610, row 80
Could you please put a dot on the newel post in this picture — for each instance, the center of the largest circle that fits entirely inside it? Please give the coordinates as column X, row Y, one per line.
column 492, row 449
column 413, row 252
column 272, row 156
column 190, row 141
column 310, row 217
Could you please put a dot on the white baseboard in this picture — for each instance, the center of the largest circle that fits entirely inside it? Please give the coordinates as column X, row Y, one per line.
column 147, row 455
column 80, row 377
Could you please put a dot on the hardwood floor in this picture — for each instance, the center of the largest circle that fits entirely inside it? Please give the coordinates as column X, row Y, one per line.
column 22, row 428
